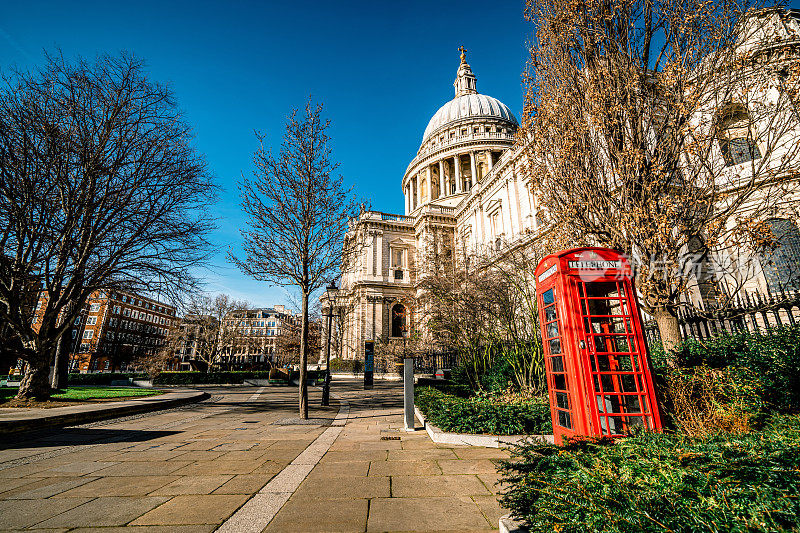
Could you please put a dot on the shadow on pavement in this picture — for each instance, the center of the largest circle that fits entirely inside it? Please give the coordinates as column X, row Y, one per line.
column 77, row 436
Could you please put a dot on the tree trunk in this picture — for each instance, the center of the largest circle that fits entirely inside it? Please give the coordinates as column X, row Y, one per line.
column 61, row 363
column 36, row 382
column 304, row 359
column 670, row 331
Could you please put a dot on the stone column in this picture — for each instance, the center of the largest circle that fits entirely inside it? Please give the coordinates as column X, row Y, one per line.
column 458, row 173
column 428, row 176
column 489, row 161
column 405, row 193
column 442, row 191
column 474, row 177
column 379, row 255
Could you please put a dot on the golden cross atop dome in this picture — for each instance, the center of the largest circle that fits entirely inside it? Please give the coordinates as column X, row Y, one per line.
column 463, row 53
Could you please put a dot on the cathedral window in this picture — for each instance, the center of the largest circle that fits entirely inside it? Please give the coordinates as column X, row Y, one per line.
column 398, row 263
column 496, row 224
column 735, row 136
column 781, row 265
column 399, row 321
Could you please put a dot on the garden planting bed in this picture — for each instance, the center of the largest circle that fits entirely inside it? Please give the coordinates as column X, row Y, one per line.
column 729, row 459
column 490, row 421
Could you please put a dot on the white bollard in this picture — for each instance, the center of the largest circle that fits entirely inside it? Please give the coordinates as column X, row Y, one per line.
column 408, row 393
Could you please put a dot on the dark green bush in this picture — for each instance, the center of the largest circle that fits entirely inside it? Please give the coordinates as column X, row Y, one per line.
column 484, row 414
column 199, row 378
column 356, row 366
column 102, row 378
column 222, row 378
column 660, row 482
column 773, row 357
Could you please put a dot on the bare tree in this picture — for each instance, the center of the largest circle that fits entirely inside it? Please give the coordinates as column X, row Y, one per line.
column 207, row 327
column 287, row 344
column 664, row 130
column 483, row 304
column 298, row 213
column 100, row 188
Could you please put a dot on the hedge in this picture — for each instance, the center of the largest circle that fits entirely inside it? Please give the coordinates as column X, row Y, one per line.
column 221, row 378
column 102, row 378
column 660, row 482
column 484, row 414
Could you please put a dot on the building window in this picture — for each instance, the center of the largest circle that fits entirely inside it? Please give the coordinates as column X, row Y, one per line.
column 35, row 319
column 781, row 265
column 399, row 317
column 398, row 262
column 496, row 224
column 88, row 334
column 735, row 136
column 94, row 308
column 91, row 321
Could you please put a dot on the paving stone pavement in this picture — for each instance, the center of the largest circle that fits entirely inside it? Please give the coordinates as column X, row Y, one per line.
column 194, row 468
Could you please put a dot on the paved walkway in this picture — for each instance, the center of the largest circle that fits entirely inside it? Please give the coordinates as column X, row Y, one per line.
column 13, row 419
column 194, row 468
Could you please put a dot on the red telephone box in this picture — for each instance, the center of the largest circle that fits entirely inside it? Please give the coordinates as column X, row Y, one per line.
column 598, row 372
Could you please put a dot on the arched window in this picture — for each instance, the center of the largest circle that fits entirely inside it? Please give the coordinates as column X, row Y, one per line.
column 399, row 317
column 735, row 135
column 782, row 265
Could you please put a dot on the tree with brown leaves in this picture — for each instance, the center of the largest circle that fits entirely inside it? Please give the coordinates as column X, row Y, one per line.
column 298, row 214
column 667, row 131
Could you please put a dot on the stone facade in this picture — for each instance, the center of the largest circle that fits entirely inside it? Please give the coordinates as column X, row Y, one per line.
column 467, row 188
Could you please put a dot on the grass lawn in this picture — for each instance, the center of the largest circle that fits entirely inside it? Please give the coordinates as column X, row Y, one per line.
column 86, row 393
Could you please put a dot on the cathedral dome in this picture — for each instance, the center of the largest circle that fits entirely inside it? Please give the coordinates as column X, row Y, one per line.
column 468, row 106
column 463, row 142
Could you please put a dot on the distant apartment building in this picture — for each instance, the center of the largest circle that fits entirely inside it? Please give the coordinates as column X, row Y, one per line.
column 249, row 336
column 197, row 339
column 114, row 329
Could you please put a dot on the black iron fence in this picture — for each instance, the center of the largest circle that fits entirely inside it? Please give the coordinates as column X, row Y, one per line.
column 430, row 362
column 750, row 312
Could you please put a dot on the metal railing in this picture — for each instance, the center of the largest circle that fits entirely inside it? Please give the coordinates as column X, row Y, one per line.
column 751, row 312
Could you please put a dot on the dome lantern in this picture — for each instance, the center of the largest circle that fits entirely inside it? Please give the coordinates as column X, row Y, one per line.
column 465, row 80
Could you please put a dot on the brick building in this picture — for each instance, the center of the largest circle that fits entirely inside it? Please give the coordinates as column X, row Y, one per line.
column 113, row 329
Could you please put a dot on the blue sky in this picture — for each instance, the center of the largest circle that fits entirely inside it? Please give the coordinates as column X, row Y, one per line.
column 381, row 68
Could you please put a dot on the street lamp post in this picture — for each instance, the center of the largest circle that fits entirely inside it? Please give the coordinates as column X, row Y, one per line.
column 330, row 292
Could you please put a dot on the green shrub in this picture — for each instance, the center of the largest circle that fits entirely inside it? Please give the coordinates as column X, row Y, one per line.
column 484, row 414
column 102, row 378
column 223, row 378
column 356, row 366
column 199, row 378
column 773, row 357
column 660, row 482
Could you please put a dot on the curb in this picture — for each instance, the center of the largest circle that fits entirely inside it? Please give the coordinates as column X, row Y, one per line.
column 487, row 441
column 73, row 415
column 509, row 525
